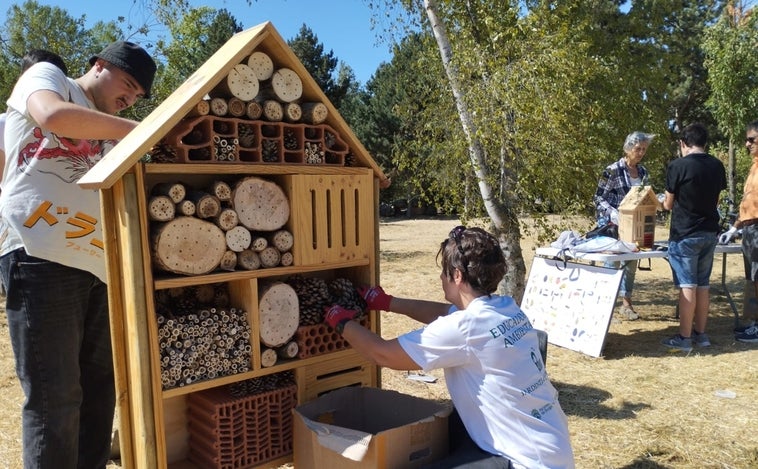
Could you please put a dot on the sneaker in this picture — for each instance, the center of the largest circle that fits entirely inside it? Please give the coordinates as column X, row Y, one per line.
column 750, row 335
column 741, row 329
column 679, row 343
column 628, row 313
column 701, row 339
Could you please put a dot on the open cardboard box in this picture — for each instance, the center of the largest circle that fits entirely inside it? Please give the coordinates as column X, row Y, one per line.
column 369, row 428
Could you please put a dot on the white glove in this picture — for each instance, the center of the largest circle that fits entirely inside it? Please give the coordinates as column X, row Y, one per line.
column 727, row 236
column 614, row 216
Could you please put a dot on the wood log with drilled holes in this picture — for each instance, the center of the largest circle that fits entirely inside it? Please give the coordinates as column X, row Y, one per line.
column 279, row 314
column 186, row 208
column 253, row 110
column 314, row 113
column 282, row 240
column 227, row 219
column 260, row 204
column 259, row 243
column 284, row 86
column 175, row 190
column 272, row 110
column 228, row 261
column 206, row 205
column 238, row 238
column 287, row 259
column 292, row 112
column 248, row 259
column 219, row 106
column 188, row 245
column 288, row 350
column 161, row 208
column 221, row 190
column 268, row 357
column 237, row 107
column 202, row 108
column 270, row 257
column 261, row 64
column 240, row 82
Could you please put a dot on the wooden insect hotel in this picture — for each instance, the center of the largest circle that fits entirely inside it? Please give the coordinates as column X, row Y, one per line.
column 637, row 216
column 232, row 215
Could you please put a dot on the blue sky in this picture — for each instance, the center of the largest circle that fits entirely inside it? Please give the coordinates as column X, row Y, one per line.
column 342, row 26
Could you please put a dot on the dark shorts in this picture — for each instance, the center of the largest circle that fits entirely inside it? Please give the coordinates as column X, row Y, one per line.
column 750, row 252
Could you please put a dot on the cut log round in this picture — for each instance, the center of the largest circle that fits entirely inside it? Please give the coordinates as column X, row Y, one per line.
column 292, row 112
column 253, row 110
column 272, row 110
column 261, row 205
column 241, row 82
column 259, row 243
column 219, row 106
column 279, row 314
column 268, row 357
column 227, row 219
column 287, row 259
column 270, row 257
column 202, row 108
column 238, row 239
column 228, row 261
column 186, row 208
column 237, row 107
column 288, row 350
column 248, row 260
column 188, row 245
column 314, row 113
column 286, row 85
column 261, row 64
column 175, row 190
column 161, row 208
column 206, row 205
column 282, row 240
column 221, row 190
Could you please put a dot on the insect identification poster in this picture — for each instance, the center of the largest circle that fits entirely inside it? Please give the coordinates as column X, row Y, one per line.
column 572, row 302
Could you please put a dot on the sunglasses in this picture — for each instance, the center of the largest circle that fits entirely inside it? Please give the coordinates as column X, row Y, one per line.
column 751, row 140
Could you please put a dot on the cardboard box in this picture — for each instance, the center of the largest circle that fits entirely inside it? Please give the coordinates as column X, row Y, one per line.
column 369, row 428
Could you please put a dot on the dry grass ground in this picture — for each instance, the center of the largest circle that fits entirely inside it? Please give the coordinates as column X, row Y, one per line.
column 637, row 406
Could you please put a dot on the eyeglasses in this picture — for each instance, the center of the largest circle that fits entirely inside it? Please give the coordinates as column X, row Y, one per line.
column 457, row 234
column 751, row 140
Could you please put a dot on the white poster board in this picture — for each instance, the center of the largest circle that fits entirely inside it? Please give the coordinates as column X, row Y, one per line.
column 572, row 302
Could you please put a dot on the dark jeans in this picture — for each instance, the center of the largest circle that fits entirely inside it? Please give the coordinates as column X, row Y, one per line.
column 60, row 333
column 464, row 453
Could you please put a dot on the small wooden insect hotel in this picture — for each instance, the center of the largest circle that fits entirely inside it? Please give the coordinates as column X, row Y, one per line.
column 637, row 216
column 233, row 214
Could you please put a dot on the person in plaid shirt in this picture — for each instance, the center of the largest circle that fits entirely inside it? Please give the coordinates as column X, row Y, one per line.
column 615, row 182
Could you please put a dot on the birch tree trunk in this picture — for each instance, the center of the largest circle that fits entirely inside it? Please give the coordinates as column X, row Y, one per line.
column 505, row 223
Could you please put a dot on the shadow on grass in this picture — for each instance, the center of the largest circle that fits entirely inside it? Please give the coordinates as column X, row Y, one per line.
column 588, row 402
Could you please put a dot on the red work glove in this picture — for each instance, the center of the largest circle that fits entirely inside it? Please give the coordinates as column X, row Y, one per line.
column 337, row 316
column 375, row 298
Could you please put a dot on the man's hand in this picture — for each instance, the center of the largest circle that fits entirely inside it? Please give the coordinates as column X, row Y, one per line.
column 336, row 317
column 375, row 298
column 727, row 236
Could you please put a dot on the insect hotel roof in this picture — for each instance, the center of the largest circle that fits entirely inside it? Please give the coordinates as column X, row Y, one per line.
column 156, row 125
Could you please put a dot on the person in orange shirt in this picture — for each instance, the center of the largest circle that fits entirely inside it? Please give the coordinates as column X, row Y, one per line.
column 748, row 223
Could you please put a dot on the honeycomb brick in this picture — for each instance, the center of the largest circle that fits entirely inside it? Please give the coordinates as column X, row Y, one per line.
column 319, row 339
column 229, row 432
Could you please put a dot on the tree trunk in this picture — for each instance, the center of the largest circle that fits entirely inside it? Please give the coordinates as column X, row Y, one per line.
column 505, row 224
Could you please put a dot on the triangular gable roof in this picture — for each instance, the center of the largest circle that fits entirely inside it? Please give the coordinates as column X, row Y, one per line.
column 155, row 126
column 639, row 196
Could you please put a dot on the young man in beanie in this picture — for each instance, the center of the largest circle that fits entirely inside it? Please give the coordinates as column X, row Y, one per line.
column 51, row 251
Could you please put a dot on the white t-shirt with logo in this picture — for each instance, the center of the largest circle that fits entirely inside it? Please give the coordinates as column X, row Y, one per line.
column 43, row 209
column 497, row 381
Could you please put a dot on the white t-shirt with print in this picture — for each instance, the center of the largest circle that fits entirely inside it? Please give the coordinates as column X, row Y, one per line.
column 497, row 381
column 42, row 207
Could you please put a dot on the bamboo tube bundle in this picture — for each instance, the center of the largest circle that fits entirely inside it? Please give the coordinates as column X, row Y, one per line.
column 209, row 349
column 263, row 384
column 314, row 153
